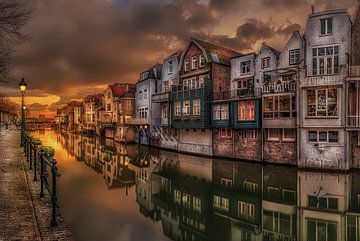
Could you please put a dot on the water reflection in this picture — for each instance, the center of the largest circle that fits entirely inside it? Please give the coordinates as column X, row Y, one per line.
column 196, row 198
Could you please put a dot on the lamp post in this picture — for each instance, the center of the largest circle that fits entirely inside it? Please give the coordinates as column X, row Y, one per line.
column 22, row 86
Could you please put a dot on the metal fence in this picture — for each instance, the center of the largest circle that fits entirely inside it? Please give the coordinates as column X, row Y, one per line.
column 41, row 164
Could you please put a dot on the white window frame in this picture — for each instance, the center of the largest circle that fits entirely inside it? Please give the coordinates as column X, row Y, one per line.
column 196, row 107
column 194, row 60
column 265, row 62
column 186, row 108
column 178, row 108
column 294, row 56
column 247, row 66
column 186, row 65
column 201, row 60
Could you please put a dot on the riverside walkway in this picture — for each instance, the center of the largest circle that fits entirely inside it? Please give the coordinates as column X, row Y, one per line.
column 23, row 214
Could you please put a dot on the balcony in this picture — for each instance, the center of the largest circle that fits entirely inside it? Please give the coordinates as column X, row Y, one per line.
column 160, row 97
column 279, row 87
column 327, row 77
column 353, row 121
column 189, row 94
column 139, row 121
column 236, row 94
column 354, row 71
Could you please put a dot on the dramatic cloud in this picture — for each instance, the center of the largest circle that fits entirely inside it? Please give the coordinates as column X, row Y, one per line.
column 79, row 47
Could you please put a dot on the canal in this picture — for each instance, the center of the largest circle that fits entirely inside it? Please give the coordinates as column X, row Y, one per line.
column 112, row 191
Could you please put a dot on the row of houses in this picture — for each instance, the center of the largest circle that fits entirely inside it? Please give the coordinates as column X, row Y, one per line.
column 8, row 110
column 299, row 106
column 202, row 198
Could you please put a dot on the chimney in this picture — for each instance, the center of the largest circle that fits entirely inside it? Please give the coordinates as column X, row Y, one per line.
column 313, row 9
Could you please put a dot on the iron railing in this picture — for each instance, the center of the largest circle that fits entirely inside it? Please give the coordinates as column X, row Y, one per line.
column 39, row 162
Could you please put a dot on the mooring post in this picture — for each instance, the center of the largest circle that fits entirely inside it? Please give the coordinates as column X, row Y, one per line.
column 53, row 194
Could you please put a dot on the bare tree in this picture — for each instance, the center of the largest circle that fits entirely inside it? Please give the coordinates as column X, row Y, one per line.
column 14, row 14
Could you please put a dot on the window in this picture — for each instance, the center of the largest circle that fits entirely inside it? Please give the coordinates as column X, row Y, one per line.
column 294, row 56
column 186, row 65
column 186, row 199
column 196, row 107
column 108, row 107
column 246, row 210
column 245, row 67
column 250, row 187
column 202, row 80
column 143, row 76
column 323, row 202
column 249, row 134
column 186, row 107
column 194, row 83
column 323, row 136
column 246, row 110
column 280, row 106
column 321, row 230
column 201, row 60
column 143, row 111
column 177, row 108
column 145, row 94
column 286, row 135
column 326, row 26
column 265, row 62
column 325, row 60
column 322, row 102
column 194, row 62
column 220, row 112
column 278, row 223
column 170, row 67
column 227, row 183
column 197, row 204
column 166, row 87
column 186, row 84
column 140, row 95
column 242, row 84
column 221, row 203
column 225, row 133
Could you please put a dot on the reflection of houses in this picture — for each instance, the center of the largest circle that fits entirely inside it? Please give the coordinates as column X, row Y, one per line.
column 279, row 90
column 118, row 110
column 322, row 136
column 91, row 104
column 204, row 68
column 323, row 201
column 279, row 213
column 163, row 135
column 145, row 109
column 144, row 164
column 236, row 200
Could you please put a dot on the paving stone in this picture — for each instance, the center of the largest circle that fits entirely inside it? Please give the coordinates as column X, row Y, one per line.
column 23, row 214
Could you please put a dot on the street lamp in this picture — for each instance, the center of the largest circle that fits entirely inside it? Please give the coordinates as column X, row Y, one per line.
column 22, row 87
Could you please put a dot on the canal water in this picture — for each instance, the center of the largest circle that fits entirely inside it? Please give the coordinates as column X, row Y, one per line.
column 111, row 191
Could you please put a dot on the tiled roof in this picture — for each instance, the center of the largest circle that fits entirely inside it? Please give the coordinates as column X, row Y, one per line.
column 217, row 53
column 177, row 53
column 121, row 90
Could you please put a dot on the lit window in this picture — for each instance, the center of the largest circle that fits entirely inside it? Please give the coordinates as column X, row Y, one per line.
column 177, row 108
column 246, row 110
column 196, row 107
column 186, row 107
column 225, row 133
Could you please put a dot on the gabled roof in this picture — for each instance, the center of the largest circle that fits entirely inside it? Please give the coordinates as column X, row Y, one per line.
column 121, row 89
column 273, row 50
column 177, row 54
column 215, row 53
column 154, row 72
column 97, row 98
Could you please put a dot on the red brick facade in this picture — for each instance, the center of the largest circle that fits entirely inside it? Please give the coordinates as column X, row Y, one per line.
column 280, row 152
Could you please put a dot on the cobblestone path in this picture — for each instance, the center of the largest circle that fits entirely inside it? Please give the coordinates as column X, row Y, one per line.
column 23, row 215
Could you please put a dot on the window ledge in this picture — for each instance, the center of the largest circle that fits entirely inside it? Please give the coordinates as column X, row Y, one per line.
column 322, row 117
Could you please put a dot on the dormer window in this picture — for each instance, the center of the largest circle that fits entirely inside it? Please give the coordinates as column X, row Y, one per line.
column 186, row 65
column 194, row 62
column 201, row 60
column 265, row 62
column 294, row 56
column 326, row 26
column 170, row 67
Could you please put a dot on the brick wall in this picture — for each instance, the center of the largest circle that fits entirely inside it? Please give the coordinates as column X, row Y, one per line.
column 222, row 146
column 280, row 152
column 247, row 149
column 221, row 77
column 355, row 58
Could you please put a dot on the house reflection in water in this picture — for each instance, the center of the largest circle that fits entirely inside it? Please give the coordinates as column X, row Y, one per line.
column 108, row 158
column 198, row 198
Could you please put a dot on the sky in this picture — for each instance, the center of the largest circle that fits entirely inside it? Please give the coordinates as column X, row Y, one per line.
column 78, row 47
